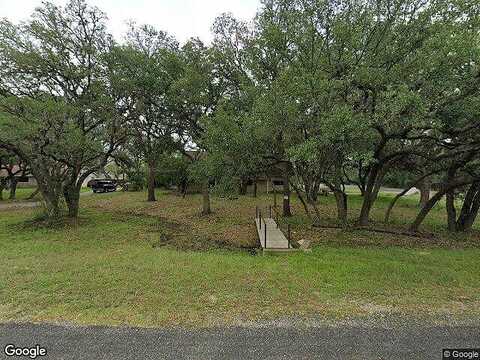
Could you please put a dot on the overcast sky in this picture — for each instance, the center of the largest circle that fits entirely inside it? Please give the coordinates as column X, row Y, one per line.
column 182, row 18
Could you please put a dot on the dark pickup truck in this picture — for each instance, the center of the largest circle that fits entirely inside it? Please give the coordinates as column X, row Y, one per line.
column 102, row 185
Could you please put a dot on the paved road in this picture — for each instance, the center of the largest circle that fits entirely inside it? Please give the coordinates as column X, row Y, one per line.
column 322, row 342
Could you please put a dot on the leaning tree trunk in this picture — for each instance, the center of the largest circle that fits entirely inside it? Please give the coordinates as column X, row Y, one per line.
column 302, row 200
column 470, row 208
column 206, row 198
column 399, row 195
column 425, row 187
column 151, row 181
column 13, row 188
column 467, row 223
column 33, row 194
column 286, row 196
column 426, row 209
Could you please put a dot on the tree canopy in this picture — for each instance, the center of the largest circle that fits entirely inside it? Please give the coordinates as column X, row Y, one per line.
column 326, row 93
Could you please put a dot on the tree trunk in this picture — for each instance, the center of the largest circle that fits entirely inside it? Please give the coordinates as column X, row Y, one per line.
column 33, row 194
column 255, row 187
column 206, row 198
column 340, row 196
column 341, row 200
column 3, row 185
column 470, row 208
column 425, row 187
column 151, row 181
column 71, row 194
column 361, row 184
column 399, row 195
column 286, row 196
column 302, row 200
column 50, row 187
column 243, row 187
column 374, row 182
column 451, row 211
column 184, row 187
column 425, row 210
column 392, row 204
column 13, row 188
column 368, row 197
column 51, row 206
column 467, row 224
column 361, row 187
column 52, row 201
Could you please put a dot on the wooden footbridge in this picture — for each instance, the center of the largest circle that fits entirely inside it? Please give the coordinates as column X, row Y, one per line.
column 270, row 235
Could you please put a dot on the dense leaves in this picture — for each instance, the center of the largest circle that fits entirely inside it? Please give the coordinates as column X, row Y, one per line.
column 319, row 93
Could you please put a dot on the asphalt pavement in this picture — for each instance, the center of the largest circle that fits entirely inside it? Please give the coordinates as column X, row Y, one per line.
column 319, row 342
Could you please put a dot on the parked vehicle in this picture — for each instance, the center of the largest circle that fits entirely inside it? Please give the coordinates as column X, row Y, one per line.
column 102, row 185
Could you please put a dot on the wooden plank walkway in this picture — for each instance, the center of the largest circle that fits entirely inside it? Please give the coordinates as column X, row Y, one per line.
column 271, row 237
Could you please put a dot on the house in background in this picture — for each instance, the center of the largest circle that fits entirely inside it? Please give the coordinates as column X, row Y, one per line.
column 24, row 178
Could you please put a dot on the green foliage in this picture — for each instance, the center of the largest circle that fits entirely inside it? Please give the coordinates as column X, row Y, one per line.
column 326, row 92
column 57, row 110
column 172, row 170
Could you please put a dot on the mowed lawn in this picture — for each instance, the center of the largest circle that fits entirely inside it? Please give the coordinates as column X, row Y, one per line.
column 23, row 194
column 129, row 262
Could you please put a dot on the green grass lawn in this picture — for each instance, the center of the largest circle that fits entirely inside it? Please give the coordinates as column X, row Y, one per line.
column 127, row 261
column 23, row 193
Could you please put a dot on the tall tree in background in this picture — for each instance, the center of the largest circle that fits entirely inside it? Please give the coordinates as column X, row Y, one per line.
column 232, row 136
column 57, row 110
column 197, row 93
column 146, row 68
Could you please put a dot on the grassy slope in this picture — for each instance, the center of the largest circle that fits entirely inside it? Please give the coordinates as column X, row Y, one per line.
column 111, row 268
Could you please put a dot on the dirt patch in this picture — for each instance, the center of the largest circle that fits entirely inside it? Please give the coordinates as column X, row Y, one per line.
column 358, row 237
column 187, row 235
column 154, row 222
column 41, row 221
column 188, row 242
